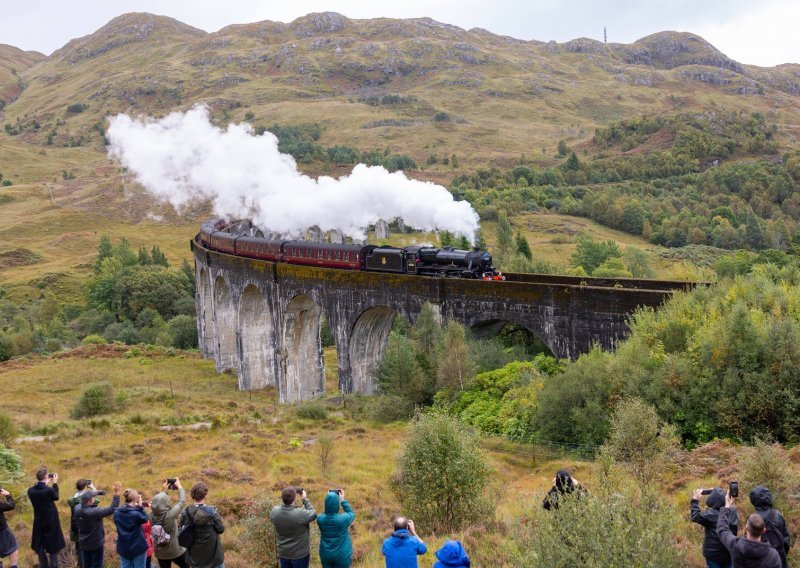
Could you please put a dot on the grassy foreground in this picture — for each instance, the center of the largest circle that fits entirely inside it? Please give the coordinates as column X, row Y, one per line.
column 182, row 418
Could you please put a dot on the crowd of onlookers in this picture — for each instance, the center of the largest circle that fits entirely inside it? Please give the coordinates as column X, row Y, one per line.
column 172, row 533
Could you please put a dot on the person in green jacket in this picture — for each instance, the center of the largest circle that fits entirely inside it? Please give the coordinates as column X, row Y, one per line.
column 206, row 552
column 291, row 528
column 335, row 548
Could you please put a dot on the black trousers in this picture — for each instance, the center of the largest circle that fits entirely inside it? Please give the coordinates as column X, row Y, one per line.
column 179, row 561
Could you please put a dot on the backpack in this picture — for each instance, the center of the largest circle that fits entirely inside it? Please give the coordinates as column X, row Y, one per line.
column 773, row 536
column 186, row 532
column 159, row 536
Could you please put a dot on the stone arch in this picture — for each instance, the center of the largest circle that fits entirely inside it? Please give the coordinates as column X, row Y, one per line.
column 257, row 368
column 225, row 319
column 206, row 314
column 489, row 325
column 367, row 344
column 301, row 355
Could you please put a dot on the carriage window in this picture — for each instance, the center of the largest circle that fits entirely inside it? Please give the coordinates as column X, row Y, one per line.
column 336, row 255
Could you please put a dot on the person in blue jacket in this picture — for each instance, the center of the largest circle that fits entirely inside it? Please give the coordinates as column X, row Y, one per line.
column 335, row 548
column 131, row 545
column 452, row 555
column 402, row 548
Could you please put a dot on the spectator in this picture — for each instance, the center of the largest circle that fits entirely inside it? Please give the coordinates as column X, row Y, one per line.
column 716, row 555
column 8, row 544
column 89, row 524
column 147, row 528
column 166, row 515
column 335, row 548
column 72, row 502
column 291, row 528
column 131, row 545
column 747, row 551
column 563, row 484
column 402, row 548
column 47, row 540
column 452, row 555
column 206, row 552
column 776, row 532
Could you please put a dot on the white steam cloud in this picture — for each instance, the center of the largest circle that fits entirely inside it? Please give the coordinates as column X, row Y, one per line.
column 183, row 158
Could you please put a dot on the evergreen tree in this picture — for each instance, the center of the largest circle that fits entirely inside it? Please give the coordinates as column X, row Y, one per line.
column 104, row 250
column 562, row 148
column 505, row 234
column 462, row 243
column 480, row 242
column 159, row 258
column 572, row 164
column 144, row 257
column 446, row 238
column 523, row 247
column 125, row 254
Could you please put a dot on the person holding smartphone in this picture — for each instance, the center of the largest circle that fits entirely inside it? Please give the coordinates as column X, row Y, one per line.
column 47, row 540
column 131, row 545
column 8, row 544
column 716, row 555
column 748, row 550
column 335, row 547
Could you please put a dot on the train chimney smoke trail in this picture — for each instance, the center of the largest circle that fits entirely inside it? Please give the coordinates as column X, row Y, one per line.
column 183, row 158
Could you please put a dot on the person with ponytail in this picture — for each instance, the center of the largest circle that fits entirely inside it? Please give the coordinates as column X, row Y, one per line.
column 131, row 544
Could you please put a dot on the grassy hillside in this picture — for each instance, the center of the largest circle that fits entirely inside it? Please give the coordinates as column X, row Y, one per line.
column 13, row 62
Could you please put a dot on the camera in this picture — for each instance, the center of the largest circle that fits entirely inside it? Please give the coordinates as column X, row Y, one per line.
column 171, row 483
column 733, row 488
column 51, row 475
column 88, row 482
column 100, row 492
column 299, row 490
column 145, row 503
column 706, row 492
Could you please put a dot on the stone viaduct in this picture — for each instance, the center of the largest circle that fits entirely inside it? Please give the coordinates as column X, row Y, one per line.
column 262, row 319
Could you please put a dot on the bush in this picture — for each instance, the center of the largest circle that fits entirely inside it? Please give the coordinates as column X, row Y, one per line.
column 640, row 441
column 10, row 465
column 8, row 432
column 312, row 411
column 76, row 107
column 612, row 526
column 184, row 332
column 7, row 347
column 258, row 533
column 96, row 400
column 93, row 339
column 769, row 464
column 442, row 475
column 389, row 408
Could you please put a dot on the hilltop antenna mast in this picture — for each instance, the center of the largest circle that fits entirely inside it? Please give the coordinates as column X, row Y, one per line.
column 605, row 37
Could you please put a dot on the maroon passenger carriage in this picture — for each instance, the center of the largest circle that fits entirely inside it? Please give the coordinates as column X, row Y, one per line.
column 218, row 235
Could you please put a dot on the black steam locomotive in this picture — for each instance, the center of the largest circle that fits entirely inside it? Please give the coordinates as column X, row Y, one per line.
column 216, row 234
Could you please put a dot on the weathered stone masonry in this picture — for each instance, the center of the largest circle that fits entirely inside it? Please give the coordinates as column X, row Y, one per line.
column 262, row 319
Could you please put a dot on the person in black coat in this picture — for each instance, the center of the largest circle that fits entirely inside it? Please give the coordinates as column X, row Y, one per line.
column 714, row 552
column 563, row 484
column 47, row 540
column 761, row 498
column 8, row 544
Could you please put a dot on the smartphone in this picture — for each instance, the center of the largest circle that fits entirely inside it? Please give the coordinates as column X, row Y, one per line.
column 706, row 492
column 733, row 488
column 51, row 475
column 88, row 482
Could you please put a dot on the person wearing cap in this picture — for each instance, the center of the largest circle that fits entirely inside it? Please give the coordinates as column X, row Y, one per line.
column 91, row 533
column 80, row 486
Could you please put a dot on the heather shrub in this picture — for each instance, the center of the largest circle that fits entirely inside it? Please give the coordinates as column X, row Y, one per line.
column 97, row 399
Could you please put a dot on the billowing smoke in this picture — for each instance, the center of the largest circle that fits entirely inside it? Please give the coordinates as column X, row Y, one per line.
column 183, row 158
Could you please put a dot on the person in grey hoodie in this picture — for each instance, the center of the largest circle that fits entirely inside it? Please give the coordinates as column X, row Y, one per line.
column 166, row 514
column 291, row 528
column 89, row 523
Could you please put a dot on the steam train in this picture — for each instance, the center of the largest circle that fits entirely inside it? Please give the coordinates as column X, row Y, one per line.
column 218, row 235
